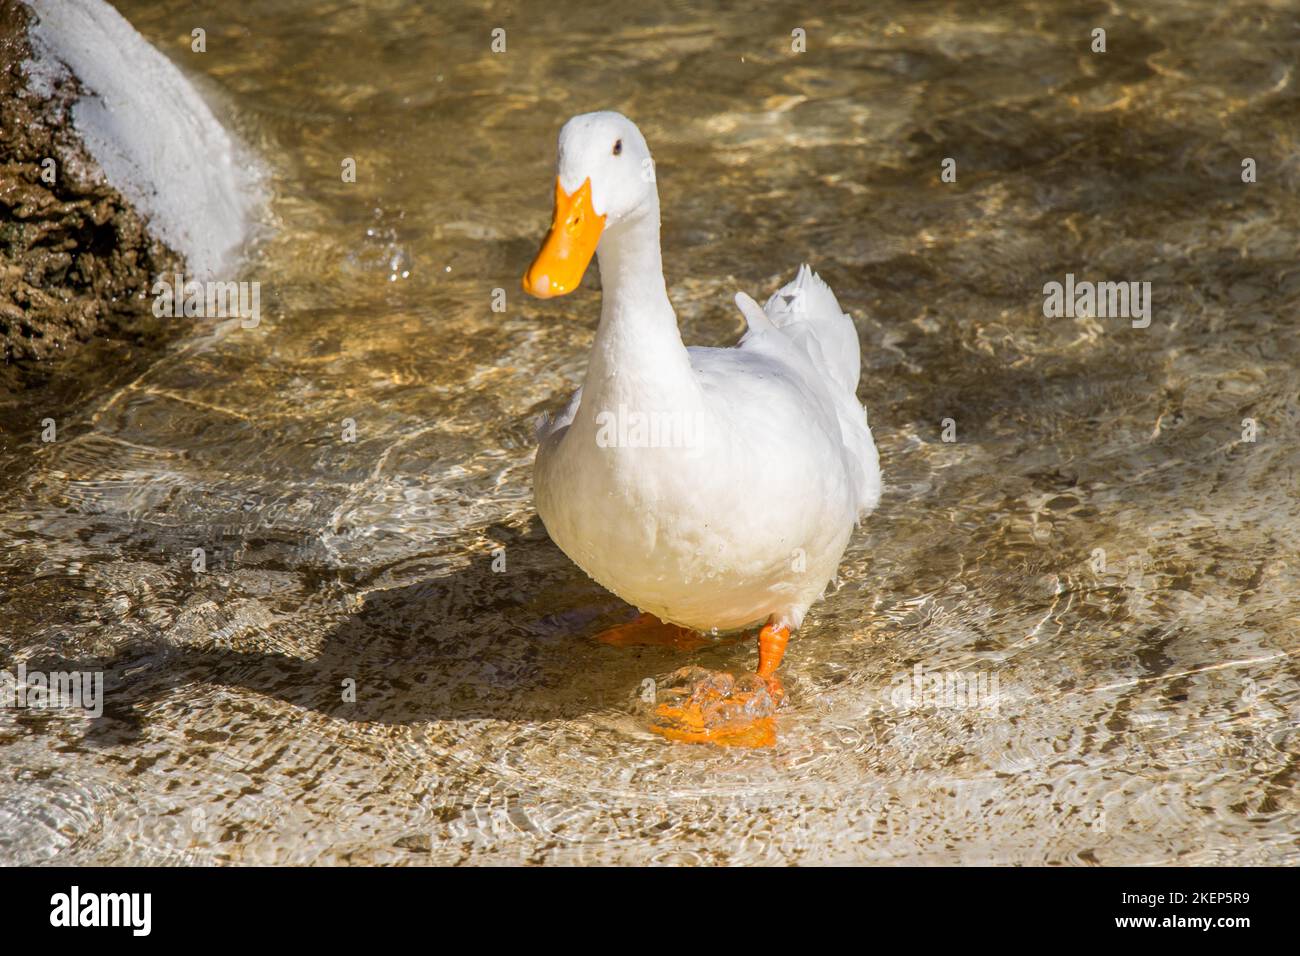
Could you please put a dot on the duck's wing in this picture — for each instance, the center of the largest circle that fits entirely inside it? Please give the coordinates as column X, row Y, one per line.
column 804, row 318
column 808, row 314
column 548, row 424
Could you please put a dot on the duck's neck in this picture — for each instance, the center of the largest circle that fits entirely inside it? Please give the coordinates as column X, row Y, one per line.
column 638, row 357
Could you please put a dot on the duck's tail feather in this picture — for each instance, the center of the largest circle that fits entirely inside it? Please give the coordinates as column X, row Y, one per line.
column 808, row 314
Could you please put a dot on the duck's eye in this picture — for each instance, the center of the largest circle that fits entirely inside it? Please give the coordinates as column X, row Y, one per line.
column 618, row 147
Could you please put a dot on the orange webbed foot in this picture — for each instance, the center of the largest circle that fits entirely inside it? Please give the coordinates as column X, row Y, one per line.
column 699, row 706
column 702, row 706
column 646, row 630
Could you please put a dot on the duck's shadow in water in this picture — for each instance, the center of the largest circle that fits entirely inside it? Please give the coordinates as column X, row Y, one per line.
column 483, row 642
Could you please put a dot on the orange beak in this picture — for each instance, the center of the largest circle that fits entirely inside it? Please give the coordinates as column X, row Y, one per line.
column 568, row 247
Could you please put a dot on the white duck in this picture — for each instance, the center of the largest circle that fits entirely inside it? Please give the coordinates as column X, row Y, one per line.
column 714, row 488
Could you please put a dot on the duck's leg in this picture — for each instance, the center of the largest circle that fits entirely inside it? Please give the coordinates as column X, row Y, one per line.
column 772, row 640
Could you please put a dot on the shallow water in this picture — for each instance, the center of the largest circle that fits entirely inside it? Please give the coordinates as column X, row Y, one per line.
column 1145, row 707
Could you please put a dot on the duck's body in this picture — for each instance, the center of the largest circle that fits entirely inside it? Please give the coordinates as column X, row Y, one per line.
column 712, row 488
column 745, row 514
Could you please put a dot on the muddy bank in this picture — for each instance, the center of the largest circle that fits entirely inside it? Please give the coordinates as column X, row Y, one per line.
column 75, row 258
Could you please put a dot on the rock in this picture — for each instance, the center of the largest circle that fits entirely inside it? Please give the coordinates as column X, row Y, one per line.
column 77, row 257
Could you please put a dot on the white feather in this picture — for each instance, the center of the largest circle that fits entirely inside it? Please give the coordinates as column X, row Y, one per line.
column 748, row 520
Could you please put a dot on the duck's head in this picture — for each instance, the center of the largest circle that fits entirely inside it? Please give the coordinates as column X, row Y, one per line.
column 606, row 176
